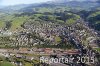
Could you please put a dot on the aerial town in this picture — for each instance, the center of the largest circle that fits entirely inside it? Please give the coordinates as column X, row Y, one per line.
column 79, row 40
column 50, row 34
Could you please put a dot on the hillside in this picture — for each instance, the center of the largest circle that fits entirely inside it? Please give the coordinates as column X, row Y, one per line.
column 94, row 20
column 65, row 12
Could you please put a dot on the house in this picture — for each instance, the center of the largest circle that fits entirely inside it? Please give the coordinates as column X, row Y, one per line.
column 18, row 55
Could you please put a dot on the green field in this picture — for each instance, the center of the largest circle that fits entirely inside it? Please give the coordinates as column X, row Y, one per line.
column 2, row 24
column 17, row 22
column 28, row 64
column 6, row 64
column 97, row 49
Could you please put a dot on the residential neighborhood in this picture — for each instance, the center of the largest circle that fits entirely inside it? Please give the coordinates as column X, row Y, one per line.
column 49, row 33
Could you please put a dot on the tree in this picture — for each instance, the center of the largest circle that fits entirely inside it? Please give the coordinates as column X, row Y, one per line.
column 8, row 24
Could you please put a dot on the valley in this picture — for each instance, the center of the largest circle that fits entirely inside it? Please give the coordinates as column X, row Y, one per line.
column 53, row 30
